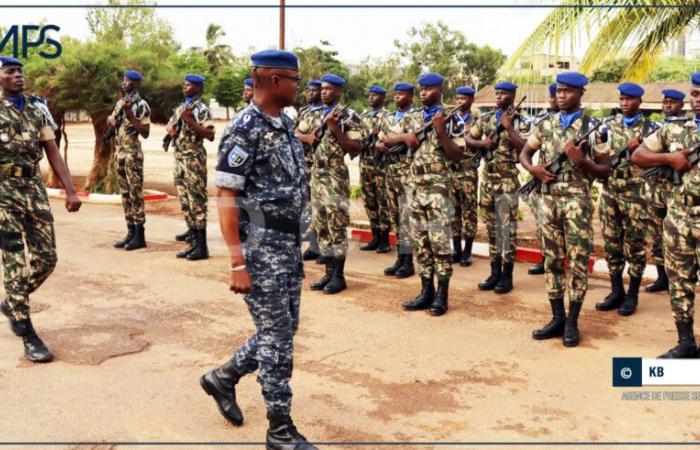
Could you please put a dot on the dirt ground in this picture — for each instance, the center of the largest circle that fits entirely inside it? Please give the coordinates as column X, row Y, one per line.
column 133, row 331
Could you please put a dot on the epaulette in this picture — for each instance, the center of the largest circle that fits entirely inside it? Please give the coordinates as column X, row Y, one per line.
column 671, row 119
column 245, row 121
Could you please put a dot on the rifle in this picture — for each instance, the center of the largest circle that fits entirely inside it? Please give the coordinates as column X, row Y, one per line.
column 488, row 153
column 112, row 131
column 167, row 140
column 556, row 166
column 667, row 172
column 421, row 135
column 324, row 126
column 626, row 153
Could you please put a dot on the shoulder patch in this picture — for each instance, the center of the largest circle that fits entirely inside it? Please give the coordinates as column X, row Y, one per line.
column 245, row 120
column 237, row 156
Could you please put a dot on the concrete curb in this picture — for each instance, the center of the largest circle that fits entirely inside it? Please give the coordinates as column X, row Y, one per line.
column 112, row 199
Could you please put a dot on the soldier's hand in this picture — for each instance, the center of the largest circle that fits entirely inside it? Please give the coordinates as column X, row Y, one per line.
column 170, row 129
column 542, row 174
column 439, row 121
column 411, row 140
column 507, row 119
column 633, row 143
column 679, row 161
column 493, row 141
column 187, row 116
column 128, row 111
column 332, row 120
column 381, row 147
column 73, row 203
column 240, row 282
column 574, row 152
column 111, row 121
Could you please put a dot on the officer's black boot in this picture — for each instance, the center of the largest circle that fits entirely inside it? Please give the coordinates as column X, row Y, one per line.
column 221, row 384
column 456, row 249
column 320, row 284
column 398, row 263
column 323, row 260
column 7, row 312
column 374, row 243
column 555, row 327
column 492, row 280
column 309, row 255
column 384, row 246
column 283, row 435
column 139, row 240
column 183, row 236
column 686, row 347
column 629, row 306
column 34, row 348
column 466, row 259
column 201, row 250
column 192, row 240
column 406, row 270
column 439, row 305
column 616, row 297
column 537, row 269
column 337, row 281
column 131, row 229
column 425, row 298
column 661, row 283
column 505, row 282
column 571, row 336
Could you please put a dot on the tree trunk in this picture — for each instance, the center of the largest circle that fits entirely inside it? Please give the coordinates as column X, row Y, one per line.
column 102, row 154
column 227, row 116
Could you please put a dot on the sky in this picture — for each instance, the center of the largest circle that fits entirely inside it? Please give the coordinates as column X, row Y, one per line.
column 355, row 33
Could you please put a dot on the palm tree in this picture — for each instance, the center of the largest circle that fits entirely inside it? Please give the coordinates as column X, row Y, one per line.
column 638, row 29
column 218, row 55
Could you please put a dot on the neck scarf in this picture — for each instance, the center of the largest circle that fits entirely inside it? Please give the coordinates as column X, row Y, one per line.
column 568, row 119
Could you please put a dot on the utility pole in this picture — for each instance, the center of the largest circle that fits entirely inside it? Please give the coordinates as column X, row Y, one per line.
column 282, row 24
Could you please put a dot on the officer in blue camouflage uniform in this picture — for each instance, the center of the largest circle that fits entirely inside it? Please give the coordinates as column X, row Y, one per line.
column 26, row 133
column 261, row 180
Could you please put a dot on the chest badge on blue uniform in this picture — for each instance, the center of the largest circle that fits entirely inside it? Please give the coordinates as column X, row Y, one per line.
column 237, row 157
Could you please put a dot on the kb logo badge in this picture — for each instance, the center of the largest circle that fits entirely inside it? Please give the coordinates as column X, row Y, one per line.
column 24, row 37
column 627, row 372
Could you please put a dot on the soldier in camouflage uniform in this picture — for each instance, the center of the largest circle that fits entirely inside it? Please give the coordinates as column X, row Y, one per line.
column 261, row 187
column 431, row 208
column 373, row 174
column 623, row 202
column 189, row 126
column 659, row 192
column 26, row 234
column 131, row 117
column 567, row 208
column 500, row 136
column 464, row 177
column 339, row 131
column 670, row 146
column 398, row 189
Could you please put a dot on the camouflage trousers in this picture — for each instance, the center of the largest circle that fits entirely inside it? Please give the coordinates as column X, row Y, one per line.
column 330, row 209
column 27, row 240
column 463, row 194
column 191, row 186
column 682, row 258
column 307, row 227
column 624, row 217
column 431, row 218
column 567, row 233
column 397, row 191
column 373, row 187
column 499, row 206
column 536, row 207
column 273, row 303
column 659, row 196
column 128, row 164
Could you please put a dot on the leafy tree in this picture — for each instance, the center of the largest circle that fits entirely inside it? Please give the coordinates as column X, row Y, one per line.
column 674, row 68
column 611, row 72
column 229, row 87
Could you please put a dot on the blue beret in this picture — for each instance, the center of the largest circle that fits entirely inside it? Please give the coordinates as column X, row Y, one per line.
column 695, row 79
column 333, row 79
column 277, row 59
column 376, row 89
column 431, row 79
column 573, row 79
column 313, row 84
column 631, row 89
column 194, row 78
column 403, row 87
column 506, row 86
column 465, row 90
column 553, row 89
column 8, row 61
column 132, row 75
column 674, row 94
column 248, row 82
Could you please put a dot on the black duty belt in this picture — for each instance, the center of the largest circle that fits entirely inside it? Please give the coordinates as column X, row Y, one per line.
column 17, row 171
column 269, row 221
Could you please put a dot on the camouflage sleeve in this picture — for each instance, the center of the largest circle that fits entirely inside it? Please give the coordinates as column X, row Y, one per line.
column 457, row 132
column 46, row 132
column 534, row 140
column 523, row 127
column 204, row 116
column 477, row 131
column 383, row 127
column 304, row 123
column 236, row 157
column 658, row 141
column 354, row 129
column 142, row 112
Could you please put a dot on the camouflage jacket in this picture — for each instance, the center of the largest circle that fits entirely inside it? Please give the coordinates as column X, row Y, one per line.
column 371, row 121
column 618, row 137
column 22, row 132
column 189, row 142
column 391, row 124
column 309, row 118
column 549, row 138
column 459, row 129
column 126, row 133
column 505, row 156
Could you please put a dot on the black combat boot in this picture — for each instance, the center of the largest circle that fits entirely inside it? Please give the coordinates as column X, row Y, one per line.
column 661, row 283
column 490, row 283
column 374, row 243
column 398, row 263
column 629, row 306
column 34, row 348
column 439, row 305
column 309, row 255
column 131, row 229
column 139, row 240
column 283, row 435
column 571, row 336
column 616, row 297
column 192, row 240
column 184, row 236
column 555, row 327
column 406, row 270
column 323, row 260
column 320, row 284
column 456, row 249
column 537, row 269
column 221, row 384
column 337, row 281
column 7, row 312
column 384, row 246
column 505, row 282
column 201, row 250
column 425, row 298
column 466, row 259
column 686, row 347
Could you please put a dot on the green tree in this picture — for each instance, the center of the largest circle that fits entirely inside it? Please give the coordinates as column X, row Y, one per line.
column 229, row 87
column 217, row 55
column 674, row 68
column 611, row 72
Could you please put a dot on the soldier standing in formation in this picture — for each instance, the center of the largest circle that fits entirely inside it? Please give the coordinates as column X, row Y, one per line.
column 26, row 133
column 567, row 208
column 132, row 118
column 190, row 125
column 261, row 172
